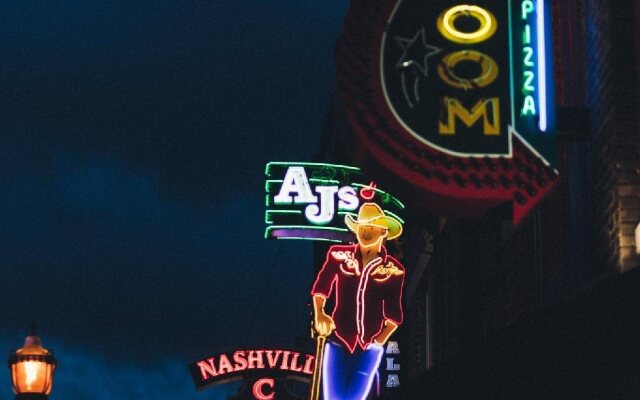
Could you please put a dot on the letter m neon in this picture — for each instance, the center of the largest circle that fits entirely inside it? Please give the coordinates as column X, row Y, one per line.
column 490, row 126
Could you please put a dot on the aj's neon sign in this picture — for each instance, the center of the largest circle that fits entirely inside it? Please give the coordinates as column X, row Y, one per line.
column 310, row 200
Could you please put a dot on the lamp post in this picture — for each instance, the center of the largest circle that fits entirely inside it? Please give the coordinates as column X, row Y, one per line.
column 32, row 369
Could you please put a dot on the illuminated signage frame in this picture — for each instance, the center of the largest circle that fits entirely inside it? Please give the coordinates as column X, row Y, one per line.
column 309, row 201
column 466, row 181
column 487, row 112
column 365, row 284
column 244, row 364
column 532, row 92
column 391, row 366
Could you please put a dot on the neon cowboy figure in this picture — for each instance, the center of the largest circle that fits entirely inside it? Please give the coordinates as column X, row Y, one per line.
column 367, row 285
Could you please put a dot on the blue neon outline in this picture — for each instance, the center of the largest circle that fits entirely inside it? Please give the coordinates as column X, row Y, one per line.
column 542, row 67
column 327, row 370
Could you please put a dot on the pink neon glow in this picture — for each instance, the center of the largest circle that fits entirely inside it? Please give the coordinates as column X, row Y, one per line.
column 362, row 287
column 364, row 283
column 368, row 193
column 285, row 360
column 258, row 391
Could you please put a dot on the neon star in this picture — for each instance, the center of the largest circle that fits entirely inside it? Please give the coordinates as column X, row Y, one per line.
column 416, row 52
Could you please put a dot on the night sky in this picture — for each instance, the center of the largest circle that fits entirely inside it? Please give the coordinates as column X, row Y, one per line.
column 133, row 140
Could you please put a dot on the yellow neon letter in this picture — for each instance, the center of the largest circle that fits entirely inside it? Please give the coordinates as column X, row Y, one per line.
column 446, row 24
column 488, row 73
column 491, row 126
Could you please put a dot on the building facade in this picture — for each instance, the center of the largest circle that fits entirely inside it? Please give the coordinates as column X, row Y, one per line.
column 547, row 308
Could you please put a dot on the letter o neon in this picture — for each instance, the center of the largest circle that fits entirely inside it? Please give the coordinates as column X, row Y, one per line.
column 446, row 24
column 488, row 74
column 258, row 392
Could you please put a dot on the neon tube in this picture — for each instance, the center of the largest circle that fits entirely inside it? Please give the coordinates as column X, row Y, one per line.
column 542, row 68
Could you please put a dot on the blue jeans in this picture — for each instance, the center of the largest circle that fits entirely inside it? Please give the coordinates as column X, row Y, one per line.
column 348, row 376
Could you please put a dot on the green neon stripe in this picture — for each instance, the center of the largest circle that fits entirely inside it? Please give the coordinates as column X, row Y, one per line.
column 346, row 213
column 267, row 183
column 330, row 181
column 513, row 99
column 394, row 216
column 308, row 164
column 382, row 192
column 315, row 180
column 267, row 213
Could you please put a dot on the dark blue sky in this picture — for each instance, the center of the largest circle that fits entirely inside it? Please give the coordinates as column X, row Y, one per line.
column 133, row 138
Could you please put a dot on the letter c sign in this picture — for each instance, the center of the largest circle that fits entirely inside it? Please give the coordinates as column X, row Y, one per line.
column 258, row 389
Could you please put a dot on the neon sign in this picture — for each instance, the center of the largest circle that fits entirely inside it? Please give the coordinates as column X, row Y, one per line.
column 391, row 367
column 462, row 109
column 258, row 389
column 366, row 284
column 533, row 99
column 532, row 16
column 456, row 102
column 263, row 364
column 310, row 200
column 321, row 208
column 529, row 73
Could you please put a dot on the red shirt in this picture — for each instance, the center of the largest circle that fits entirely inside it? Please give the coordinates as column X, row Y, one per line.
column 366, row 296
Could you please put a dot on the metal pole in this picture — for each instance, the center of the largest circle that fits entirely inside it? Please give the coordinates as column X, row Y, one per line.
column 317, row 369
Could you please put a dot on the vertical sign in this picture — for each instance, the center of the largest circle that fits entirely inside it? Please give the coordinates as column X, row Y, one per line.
column 392, row 366
column 532, row 89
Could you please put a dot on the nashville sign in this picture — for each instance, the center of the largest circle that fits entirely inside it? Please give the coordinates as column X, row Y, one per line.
column 264, row 364
column 454, row 98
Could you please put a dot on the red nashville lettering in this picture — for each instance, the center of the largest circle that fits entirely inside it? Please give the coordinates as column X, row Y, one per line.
column 285, row 360
column 271, row 359
column 258, row 391
column 209, row 368
column 294, row 363
column 255, row 359
column 224, row 365
column 307, row 365
column 219, row 366
column 240, row 360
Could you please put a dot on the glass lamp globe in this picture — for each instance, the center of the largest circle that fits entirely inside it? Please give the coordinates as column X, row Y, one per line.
column 32, row 368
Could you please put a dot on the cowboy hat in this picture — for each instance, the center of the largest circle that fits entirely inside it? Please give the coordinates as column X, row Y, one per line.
column 372, row 214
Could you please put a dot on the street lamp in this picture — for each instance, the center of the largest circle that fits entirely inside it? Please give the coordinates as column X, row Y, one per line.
column 32, row 369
